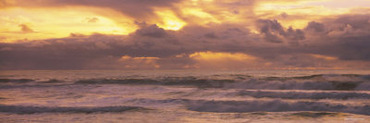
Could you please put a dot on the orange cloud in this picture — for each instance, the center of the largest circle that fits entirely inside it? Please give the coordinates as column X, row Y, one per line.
column 25, row 28
column 323, row 57
column 220, row 56
column 224, row 60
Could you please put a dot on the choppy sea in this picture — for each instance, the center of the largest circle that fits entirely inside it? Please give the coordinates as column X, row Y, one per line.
column 185, row 96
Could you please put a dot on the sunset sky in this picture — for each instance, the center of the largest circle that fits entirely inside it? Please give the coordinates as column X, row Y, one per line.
column 185, row 34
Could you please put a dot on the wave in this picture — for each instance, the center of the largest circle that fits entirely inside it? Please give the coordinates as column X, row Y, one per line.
column 27, row 83
column 25, row 80
column 273, row 106
column 242, row 106
column 220, row 106
column 16, row 80
column 36, row 109
column 251, row 83
column 53, row 81
column 228, row 81
column 201, row 83
column 321, row 76
column 315, row 114
column 304, row 95
column 31, row 86
column 305, row 85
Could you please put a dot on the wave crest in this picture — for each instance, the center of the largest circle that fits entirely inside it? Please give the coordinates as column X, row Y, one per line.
column 35, row 109
column 273, row 106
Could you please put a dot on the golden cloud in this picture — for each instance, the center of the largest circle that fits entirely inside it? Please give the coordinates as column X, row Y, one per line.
column 224, row 60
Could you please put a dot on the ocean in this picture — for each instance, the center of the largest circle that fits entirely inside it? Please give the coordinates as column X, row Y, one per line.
column 157, row 96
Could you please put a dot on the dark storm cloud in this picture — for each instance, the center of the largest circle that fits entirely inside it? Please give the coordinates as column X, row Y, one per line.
column 51, row 54
column 79, row 51
column 274, row 32
column 151, row 31
column 346, row 37
column 315, row 27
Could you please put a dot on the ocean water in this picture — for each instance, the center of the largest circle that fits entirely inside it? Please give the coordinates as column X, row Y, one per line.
column 185, row 96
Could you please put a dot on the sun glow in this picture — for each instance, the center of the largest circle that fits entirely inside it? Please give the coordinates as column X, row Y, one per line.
column 323, row 57
column 222, row 60
column 54, row 23
column 211, row 56
column 169, row 20
column 200, row 16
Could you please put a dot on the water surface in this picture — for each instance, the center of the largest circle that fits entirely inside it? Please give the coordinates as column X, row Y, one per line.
column 185, row 96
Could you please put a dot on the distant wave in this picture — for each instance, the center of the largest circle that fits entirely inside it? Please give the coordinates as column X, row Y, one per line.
column 201, row 106
column 30, row 86
column 277, row 105
column 36, row 109
column 53, row 81
column 228, row 81
column 316, row 76
column 26, row 80
column 273, row 106
column 304, row 95
column 314, row 82
column 201, row 83
column 16, row 80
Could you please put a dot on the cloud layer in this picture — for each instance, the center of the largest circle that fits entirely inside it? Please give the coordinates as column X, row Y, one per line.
column 223, row 35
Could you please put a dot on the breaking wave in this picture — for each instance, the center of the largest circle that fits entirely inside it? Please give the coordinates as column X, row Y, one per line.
column 273, row 106
column 16, row 80
column 313, row 82
column 201, row 83
column 239, row 106
column 304, row 95
column 35, row 109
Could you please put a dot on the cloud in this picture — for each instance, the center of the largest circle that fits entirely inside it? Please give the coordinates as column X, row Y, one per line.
column 223, row 60
column 274, row 32
column 315, row 27
column 92, row 20
column 139, row 62
column 345, row 37
column 151, row 31
column 119, row 16
column 196, row 47
column 134, row 8
column 25, row 28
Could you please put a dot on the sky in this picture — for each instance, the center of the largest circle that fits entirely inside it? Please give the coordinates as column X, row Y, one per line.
column 184, row 34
